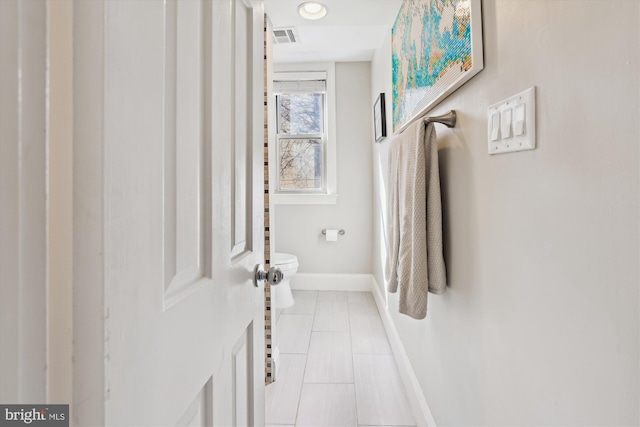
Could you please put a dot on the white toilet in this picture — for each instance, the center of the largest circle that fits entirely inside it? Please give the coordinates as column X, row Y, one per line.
column 281, row 293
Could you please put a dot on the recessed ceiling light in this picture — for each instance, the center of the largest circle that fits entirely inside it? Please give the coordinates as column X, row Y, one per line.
column 312, row 10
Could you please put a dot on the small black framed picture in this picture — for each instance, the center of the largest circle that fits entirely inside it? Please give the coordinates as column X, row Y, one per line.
column 379, row 119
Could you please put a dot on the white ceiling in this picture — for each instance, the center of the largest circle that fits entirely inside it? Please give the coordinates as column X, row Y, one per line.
column 351, row 31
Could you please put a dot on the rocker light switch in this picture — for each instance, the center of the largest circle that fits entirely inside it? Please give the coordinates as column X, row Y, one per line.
column 512, row 123
column 495, row 126
column 505, row 123
column 518, row 124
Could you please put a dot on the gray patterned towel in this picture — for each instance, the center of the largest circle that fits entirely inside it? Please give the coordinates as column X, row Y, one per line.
column 415, row 262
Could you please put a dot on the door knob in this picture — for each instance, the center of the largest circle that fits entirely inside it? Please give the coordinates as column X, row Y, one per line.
column 273, row 276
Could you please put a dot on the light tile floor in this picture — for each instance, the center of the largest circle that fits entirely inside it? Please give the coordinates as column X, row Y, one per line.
column 336, row 366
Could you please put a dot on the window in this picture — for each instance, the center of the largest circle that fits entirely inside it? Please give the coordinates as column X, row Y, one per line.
column 303, row 115
column 300, row 134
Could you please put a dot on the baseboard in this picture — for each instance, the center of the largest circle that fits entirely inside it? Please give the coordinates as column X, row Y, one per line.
column 331, row 282
column 418, row 403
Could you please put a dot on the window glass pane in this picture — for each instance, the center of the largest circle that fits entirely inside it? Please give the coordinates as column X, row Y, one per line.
column 300, row 164
column 300, row 113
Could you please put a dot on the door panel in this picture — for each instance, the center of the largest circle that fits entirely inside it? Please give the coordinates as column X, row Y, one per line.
column 199, row 413
column 182, row 211
column 242, row 38
column 187, row 189
column 243, row 379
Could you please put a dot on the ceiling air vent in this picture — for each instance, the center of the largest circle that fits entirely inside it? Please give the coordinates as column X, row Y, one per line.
column 285, row 35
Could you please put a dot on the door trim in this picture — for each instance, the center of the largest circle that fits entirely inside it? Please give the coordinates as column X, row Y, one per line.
column 89, row 317
column 23, row 188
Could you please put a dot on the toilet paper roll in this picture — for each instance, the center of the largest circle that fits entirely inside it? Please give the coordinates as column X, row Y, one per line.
column 331, row 236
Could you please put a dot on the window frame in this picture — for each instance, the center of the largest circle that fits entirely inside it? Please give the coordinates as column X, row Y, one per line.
column 329, row 194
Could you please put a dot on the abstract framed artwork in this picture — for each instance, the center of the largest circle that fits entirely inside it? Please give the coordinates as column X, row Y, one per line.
column 379, row 119
column 436, row 48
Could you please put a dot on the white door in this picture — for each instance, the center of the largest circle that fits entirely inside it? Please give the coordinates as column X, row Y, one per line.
column 168, row 213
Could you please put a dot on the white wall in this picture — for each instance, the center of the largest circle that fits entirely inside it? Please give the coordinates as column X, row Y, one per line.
column 298, row 227
column 539, row 325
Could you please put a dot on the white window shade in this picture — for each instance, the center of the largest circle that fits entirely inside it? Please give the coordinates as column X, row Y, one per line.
column 299, row 86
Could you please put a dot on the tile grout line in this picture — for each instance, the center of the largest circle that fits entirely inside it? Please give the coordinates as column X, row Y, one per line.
column 353, row 365
column 306, row 360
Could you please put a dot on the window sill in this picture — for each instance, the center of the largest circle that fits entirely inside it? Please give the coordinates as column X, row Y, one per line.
column 304, row 199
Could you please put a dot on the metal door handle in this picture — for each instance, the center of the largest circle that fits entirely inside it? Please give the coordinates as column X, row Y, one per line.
column 273, row 277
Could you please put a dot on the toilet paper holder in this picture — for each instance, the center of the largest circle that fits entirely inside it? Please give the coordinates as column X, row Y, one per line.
column 341, row 232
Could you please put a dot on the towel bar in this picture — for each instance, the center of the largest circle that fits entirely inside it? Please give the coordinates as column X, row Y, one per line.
column 448, row 119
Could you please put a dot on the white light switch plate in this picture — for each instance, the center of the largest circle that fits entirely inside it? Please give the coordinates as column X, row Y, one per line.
column 513, row 141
